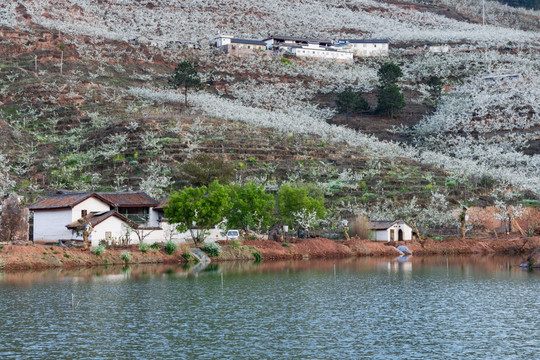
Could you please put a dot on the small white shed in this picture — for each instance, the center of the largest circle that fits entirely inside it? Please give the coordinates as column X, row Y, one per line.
column 396, row 230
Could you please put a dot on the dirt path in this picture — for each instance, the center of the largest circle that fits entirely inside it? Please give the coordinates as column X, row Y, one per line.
column 18, row 257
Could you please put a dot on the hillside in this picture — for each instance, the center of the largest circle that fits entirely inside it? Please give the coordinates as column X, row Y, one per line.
column 100, row 115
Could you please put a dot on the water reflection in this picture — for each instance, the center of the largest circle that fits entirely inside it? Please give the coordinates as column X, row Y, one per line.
column 466, row 265
column 368, row 308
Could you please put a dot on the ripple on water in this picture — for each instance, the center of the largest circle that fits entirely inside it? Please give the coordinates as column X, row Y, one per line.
column 369, row 309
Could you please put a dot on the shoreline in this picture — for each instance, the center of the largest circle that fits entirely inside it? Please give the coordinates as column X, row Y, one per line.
column 42, row 257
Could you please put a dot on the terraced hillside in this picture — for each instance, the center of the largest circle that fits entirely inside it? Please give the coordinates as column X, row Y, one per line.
column 85, row 102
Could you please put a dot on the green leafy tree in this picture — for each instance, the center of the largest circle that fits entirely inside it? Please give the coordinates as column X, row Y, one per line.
column 348, row 102
column 435, row 86
column 198, row 209
column 390, row 100
column 293, row 200
column 185, row 76
column 251, row 207
column 389, row 74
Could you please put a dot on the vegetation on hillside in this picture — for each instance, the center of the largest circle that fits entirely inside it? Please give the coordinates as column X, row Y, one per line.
column 86, row 103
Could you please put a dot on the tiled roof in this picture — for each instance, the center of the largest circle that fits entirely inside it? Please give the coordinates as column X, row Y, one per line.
column 383, row 225
column 162, row 203
column 378, row 41
column 94, row 218
column 129, row 199
column 299, row 39
column 67, row 200
column 245, row 41
column 62, row 200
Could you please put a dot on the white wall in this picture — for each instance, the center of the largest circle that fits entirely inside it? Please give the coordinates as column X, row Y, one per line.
column 50, row 225
column 113, row 224
column 370, row 49
column 223, row 40
column 384, row 235
column 320, row 53
column 169, row 232
column 153, row 218
column 90, row 204
column 437, row 49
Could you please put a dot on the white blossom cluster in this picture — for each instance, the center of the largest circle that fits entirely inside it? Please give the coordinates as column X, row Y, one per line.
column 496, row 13
column 299, row 122
column 166, row 21
column 8, row 15
column 6, row 183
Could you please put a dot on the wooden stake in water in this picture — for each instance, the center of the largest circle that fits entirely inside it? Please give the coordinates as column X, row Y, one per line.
column 221, row 281
column 334, row 271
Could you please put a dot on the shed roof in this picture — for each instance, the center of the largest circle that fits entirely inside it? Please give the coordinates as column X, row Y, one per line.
column 371, row 41
column 94, row 218
column 384, row 224
column 292, row 38
column 246, row 41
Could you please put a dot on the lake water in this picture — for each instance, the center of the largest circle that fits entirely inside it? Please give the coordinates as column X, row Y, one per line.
column 422, row 308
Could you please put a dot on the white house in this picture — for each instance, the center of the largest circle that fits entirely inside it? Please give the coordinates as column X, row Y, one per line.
column 241, row 47
column 223, row 40
column 439, row 49
column 112, row 216
column 390, row 230
column 316, row 51
column 368, row 47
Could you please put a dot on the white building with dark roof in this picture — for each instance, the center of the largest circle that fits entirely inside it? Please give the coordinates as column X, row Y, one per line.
column 396, row 230
column 241, row 47
column 315, row 51
column 112, row 216
column 283, row 42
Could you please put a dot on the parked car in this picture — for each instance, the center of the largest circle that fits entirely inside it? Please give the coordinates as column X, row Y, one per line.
column 233, row 234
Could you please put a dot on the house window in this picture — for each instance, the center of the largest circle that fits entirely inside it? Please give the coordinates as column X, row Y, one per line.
column 108, row 235
column 84, row 213
column 249, row 47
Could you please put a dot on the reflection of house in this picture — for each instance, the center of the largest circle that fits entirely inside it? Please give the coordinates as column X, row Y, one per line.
column 240, row 47
column 390, row 230
column 365, row 48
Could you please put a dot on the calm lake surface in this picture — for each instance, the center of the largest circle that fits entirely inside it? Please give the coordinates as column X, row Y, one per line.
column 422, row 308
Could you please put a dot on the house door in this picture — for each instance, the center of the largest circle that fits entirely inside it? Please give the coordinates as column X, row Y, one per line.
column 400, row 235
column 391, row 234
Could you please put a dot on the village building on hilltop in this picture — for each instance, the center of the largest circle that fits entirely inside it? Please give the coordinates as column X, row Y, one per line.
column 344, row 50
column 367, row 47
column 241, row 47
